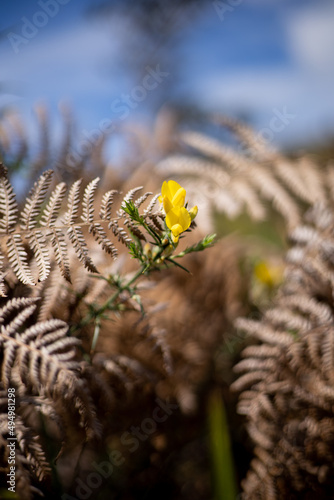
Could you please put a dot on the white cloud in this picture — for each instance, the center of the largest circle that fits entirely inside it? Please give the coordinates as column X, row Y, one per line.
column 252, row 89
column 60, row 63
column 304, row 86
column 65, row 63
column 311, row 36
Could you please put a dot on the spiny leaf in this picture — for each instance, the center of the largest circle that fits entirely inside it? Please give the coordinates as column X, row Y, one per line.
column 206, row 242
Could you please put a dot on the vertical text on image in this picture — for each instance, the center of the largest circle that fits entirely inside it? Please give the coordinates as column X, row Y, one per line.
column 11, row 482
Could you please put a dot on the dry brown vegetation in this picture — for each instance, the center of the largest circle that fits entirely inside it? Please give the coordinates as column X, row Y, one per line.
column 74, row 409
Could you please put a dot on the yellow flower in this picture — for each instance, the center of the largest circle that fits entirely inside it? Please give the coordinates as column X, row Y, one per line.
column 178, row 220
column 268, row 274
column 172, row 195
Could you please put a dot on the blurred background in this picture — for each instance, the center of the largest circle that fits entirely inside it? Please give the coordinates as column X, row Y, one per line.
column 121, row 61
column 73, row 72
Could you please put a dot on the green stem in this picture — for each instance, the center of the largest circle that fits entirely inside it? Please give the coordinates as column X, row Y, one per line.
column 96, row 335
column 170, row 259
column 107, row 305
column 121, row 289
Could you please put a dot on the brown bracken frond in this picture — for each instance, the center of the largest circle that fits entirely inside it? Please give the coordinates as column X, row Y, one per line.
column 42, row 223
column 249, row 177
column 30, row 459
column 41, row 358
column 287, row 379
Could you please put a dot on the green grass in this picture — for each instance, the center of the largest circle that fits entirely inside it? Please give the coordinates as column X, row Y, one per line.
column 269, row 231
column 224, row 482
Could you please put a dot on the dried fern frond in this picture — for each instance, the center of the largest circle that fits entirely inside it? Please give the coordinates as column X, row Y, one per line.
column 129, row 370
column 52, row 291
column 35, row 201
column 43, row 223
column 149, row 210
column 246, row 135
column 30, row 460
column 8, row 205
column 64, row 159
column 233, row 181
column 42, row 358
column 106, row 205
column 287, row 380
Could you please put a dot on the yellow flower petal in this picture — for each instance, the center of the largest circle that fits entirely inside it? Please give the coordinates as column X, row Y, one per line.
column 179, row 198
column 172, row 195
column 178, row 216
column 185, row 219
column 170, row 189
column 167, row 204
column 172, row 217
column 176, row 230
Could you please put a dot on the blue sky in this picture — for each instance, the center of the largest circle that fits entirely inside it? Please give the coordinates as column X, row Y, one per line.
column 255, row 58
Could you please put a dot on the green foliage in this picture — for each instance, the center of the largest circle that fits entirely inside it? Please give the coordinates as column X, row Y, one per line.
column 149, row 260
column 206, row 242
column 220, row 446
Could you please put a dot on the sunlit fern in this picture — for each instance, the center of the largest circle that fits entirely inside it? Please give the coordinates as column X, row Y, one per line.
column 250, row 177
column 44, row 225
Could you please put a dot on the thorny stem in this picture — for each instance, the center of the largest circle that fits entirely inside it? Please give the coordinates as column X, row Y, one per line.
column 97, row 314
column 162, row 242
column 121, row 289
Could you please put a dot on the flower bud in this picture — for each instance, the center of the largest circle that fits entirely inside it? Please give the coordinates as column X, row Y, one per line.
column 193, row 212
column 147, row 250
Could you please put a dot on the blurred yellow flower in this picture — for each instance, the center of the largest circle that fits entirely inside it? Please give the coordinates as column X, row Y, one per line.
column 178, row 220
column 172, row 195
column 268, row 274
